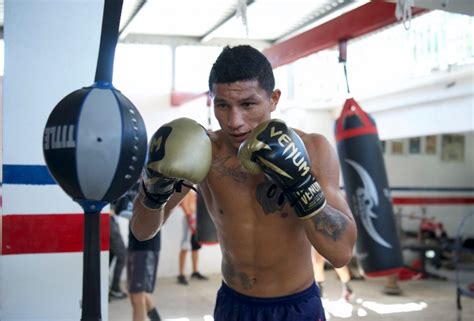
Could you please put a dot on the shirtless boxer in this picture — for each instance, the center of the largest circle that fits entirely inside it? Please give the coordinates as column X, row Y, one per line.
column 272, row 193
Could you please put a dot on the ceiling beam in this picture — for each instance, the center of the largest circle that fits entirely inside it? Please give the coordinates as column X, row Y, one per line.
column 362, row 20
column 132, row 16
column 176, row 40
column 209, row 34
column 462, row 7
column 322, row 16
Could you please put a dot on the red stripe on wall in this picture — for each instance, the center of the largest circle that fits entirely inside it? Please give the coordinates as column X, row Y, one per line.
column 432, row 200
column 48, row 233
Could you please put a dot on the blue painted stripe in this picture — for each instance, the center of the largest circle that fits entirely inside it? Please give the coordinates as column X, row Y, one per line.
column 27, row 175
column 39, row 175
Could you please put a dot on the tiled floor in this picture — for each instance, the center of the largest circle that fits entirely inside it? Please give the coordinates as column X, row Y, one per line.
column 421, row 300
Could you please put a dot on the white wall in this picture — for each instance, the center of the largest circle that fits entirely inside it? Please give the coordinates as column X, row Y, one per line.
column 430, row 171
column 442, row 102
column 1, row 129
column 50, row 50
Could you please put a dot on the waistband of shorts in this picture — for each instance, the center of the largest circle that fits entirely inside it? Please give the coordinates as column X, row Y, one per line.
column 309, row 292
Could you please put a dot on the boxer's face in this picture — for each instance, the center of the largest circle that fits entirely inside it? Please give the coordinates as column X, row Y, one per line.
column 241, row 106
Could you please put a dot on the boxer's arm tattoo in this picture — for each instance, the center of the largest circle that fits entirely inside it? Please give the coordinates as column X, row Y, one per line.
column 331, row 223
column 222, row 169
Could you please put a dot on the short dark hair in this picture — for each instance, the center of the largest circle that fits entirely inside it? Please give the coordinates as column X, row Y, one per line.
column 242, row 63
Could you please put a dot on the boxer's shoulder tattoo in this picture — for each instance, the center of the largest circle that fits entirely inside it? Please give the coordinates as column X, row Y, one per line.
column 330, row 222
column 234, row 277
column 223, row 167
column 271, row 198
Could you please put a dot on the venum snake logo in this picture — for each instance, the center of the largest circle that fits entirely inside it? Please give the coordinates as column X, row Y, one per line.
column 365, row 199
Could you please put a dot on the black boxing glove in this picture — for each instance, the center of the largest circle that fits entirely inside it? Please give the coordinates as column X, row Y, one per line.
column 280, row 153
column 178, row 151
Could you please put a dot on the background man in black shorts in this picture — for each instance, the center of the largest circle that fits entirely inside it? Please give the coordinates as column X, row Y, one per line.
column 142, row 264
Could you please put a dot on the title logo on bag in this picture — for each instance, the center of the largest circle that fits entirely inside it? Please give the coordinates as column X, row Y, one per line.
column 365, row 199
column 57, row 137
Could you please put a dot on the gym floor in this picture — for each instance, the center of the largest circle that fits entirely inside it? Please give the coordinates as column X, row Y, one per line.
column 421, row 300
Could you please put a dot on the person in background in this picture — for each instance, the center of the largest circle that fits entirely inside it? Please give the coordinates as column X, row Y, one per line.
column 343, row 273
column 142, row 265
column 189, row 241
column 117, row 252
column 143, row 257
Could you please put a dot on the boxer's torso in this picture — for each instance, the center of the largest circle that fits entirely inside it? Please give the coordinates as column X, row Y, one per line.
column 265, row 251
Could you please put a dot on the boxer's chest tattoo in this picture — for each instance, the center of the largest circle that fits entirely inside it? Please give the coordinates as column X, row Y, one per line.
column 330, row 223
column 271, row 198
column 223, row 167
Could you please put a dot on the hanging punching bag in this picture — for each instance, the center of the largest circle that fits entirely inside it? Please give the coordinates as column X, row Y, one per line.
column 94, row 145
column 367, row 191
column 205, row 229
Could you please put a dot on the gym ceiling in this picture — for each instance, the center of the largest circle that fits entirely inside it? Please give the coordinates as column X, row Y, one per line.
column 285, row 30
column 271, row 25
column 219, row 22
column 261, row 23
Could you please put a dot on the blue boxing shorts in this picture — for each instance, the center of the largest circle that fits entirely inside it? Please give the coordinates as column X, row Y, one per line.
column 303, row 306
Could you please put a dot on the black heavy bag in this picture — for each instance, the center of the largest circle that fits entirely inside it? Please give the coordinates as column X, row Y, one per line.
column 367, row 191
column 205, row 229
column 94, row 145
